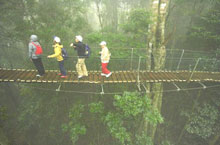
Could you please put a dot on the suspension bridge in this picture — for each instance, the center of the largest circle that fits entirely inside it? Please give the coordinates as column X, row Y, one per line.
column 132, row 69
column 51, row 76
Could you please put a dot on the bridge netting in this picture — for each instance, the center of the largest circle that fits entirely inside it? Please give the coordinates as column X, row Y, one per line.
column 130, row 59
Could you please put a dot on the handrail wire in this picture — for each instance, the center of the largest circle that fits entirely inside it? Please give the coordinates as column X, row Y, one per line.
column 118, row 58
column 115, row 93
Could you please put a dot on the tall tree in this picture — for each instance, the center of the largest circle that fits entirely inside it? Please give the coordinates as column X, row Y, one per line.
column 110, row 19
column 205, row 34
column 99, row 13
column 156, row 53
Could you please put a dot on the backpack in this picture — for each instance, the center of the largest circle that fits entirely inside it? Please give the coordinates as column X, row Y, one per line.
column 64, row 53
column 87, row 51
column 39, row 49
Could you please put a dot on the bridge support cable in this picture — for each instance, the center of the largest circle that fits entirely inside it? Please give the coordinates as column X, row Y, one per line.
column 204, row 86
column 114, row 93
column 58, row 89
column 145, row 88
column 139, row 87
column 197, row 62
column 177, row 88
column 102, row 92
column 178, row 66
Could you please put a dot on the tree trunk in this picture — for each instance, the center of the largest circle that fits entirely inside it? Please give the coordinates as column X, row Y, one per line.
column 97, row 2
column 111, row 18
column 156, row 53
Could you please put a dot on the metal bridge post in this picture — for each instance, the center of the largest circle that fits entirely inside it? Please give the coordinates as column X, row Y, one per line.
column 132, row 55
column 178, row 88
column 197, row 62
column 102, row 92
column 138, row 74
column 204, row 86
column 58, row 89
column 145, row 88
column 180, row 60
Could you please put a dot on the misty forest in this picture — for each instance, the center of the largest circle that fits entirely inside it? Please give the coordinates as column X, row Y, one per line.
column 141, row 35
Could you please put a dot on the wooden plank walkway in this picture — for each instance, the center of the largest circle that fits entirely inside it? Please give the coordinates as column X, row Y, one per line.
column 29, row 76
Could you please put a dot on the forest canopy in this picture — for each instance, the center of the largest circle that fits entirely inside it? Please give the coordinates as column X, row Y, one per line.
column 142, row 35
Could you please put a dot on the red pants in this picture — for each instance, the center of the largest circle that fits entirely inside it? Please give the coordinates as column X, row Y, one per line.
column 104, row 68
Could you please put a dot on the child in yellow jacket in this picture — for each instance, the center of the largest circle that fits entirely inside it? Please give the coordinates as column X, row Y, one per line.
column 58, row 55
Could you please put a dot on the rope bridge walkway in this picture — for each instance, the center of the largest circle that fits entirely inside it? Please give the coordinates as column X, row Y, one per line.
column 184, row 66
column 51, row 76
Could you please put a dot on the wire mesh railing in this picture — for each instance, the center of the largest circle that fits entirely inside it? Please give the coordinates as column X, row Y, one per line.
column 127, row 60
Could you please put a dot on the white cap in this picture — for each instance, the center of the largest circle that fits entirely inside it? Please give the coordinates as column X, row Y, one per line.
column 103, row 43
column 79, row 38
column 33, row 38
column 57, row 39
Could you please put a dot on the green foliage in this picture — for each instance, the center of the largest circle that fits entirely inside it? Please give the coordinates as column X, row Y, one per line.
column 133, row 104
column 94, row 38
column 124, row 120
column 75, row 126
column 63, row 20
column 138, row 22
column 117, row 40
column 202, row 122
column 130, row 103
column 166, row 143
column 143, row 139
column 114, row 123
column 205, row 32
column 134, row 32
column 3, row 113
column 130, row 109
column 97, row 107
column 29, row 112
column 45, row 18
column 137, row 27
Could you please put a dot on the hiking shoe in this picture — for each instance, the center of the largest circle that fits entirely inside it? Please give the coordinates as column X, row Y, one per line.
column 38, row 75
column 80, row 77
column 108, row 75
column 64, row 77
column 102, row 74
